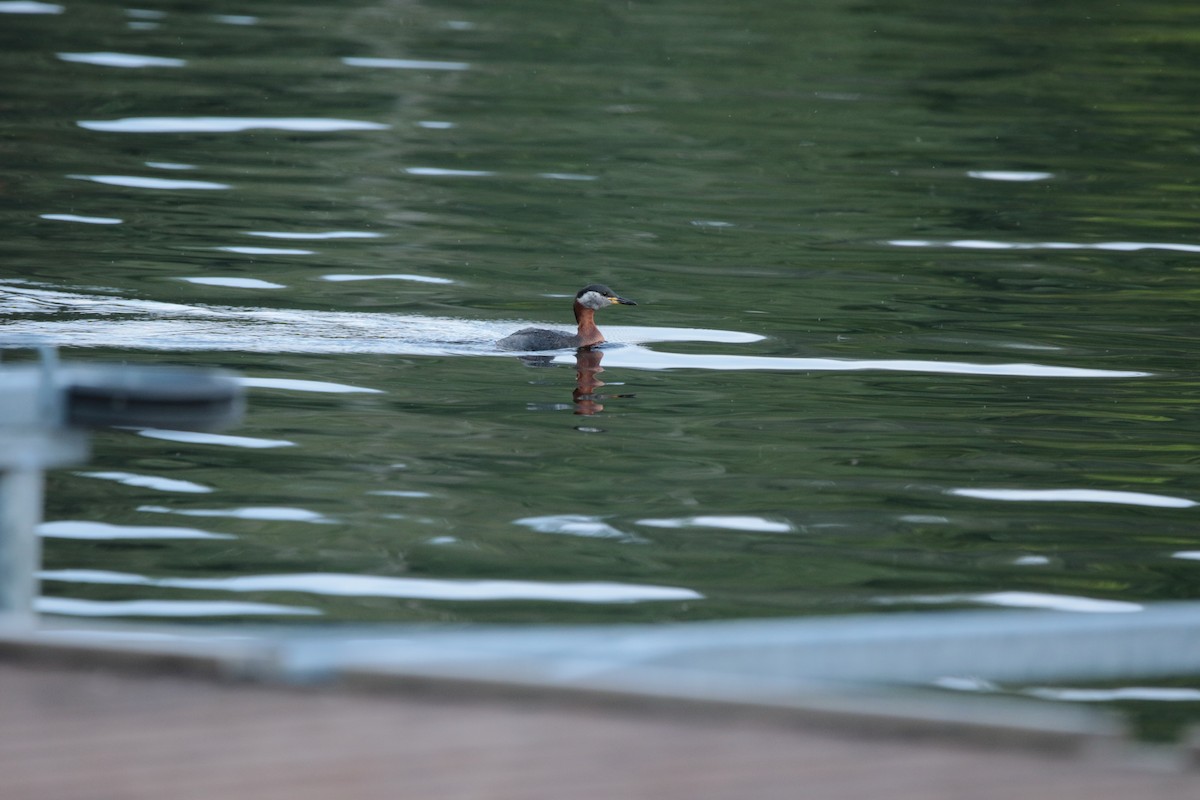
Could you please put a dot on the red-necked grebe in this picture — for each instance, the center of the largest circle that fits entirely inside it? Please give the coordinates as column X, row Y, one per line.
column 587, row 301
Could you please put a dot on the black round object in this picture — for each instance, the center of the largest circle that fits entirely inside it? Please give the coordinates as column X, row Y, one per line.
column 178, row 398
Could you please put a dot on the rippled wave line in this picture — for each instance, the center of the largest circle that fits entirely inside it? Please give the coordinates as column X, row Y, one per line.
column 148, row 325
column 345, row 585
column 982, row 244
column 642, row 358
column 227, row 124
column 73, row 607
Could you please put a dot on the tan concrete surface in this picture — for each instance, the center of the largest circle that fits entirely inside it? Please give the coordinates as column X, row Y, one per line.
column 76, row 734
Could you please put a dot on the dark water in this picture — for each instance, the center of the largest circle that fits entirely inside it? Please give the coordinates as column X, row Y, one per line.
column 916, row 288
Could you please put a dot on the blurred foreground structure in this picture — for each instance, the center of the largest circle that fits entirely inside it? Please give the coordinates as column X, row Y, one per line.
column 833, row 707
column 46, row 411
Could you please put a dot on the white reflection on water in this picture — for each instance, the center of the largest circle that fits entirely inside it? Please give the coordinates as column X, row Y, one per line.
column 29, row 7
column 315, row 234
column 1009, row 175
column 339, row 585
column 736, row 523
column 85, row 220
column 87, row 529
column 566, row 176
column 644, row 358
column 218, row 439
column 1076, row 496
column 390, row 277
column 450, row 173
column 149, row 482
column 227, row 124
column 235, row 283
column 68, row 606
column 297, row 385
column 138, row 182
column 264, row 513
column 122, row 322
column 405, row 63
column 235, row 19
column 1155, row 694
column 577, row 525
column 126, row 60
column 981, row 244
column 1053, row 602
column 265, row 251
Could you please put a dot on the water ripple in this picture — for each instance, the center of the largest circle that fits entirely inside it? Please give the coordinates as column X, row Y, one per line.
column 103, row 531
column 138, row 182
column 68, row 606
column 644, row 358
column 174, row 326
column 266, row 251
column 566, row 176
column 389, row 277
column 149, row 482
column 343, row 585
column 1155, row 694
column 576, row 525
column 315, row 234
column 261, row 513
column 85, row 220
column 449, row 173
column 235, row 283
column 1052, row 602
column 736, row 523
column 29, row 7
column 235, row 19
column 1008, row 175
column 227, row 124
column 219, row 439
column 296, row 385
column 405, row 63
column 983, row 244
column 126, row 60
column 1076, row 496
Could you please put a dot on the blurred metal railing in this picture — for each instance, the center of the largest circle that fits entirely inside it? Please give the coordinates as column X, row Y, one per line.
column 46, row 410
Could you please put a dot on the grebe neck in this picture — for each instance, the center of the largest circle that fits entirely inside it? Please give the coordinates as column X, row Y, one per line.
column 585, row 318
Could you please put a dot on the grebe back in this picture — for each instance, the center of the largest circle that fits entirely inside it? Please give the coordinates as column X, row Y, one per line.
column 587, row 301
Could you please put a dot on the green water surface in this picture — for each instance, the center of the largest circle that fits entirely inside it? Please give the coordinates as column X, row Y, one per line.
column 951, row 251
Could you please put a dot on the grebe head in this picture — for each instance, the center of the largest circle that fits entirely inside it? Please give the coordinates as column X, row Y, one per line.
column 597, row 295
column 588, row 300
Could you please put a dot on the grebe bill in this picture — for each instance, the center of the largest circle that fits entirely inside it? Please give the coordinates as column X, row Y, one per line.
column 588, row 300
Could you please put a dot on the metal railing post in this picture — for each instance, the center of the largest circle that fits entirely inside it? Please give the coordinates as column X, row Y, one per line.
column 24, row 458
column 20, row 549
column 46, row 411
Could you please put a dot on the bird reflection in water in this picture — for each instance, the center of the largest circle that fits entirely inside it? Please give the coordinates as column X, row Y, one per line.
column 587, row 369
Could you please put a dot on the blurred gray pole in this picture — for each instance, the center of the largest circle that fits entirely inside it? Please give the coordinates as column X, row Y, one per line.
column 24, row 458
column 32, row 440
column 20, row 550
column 46, row 410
